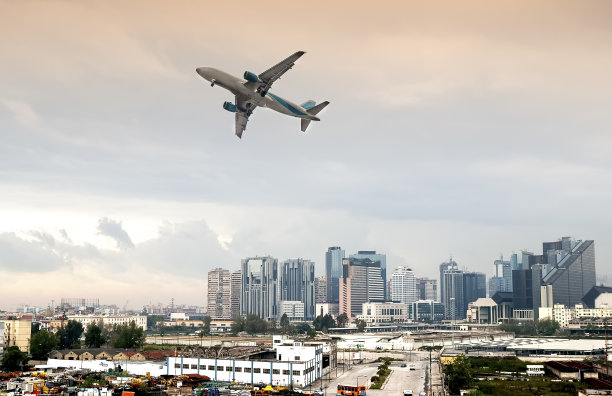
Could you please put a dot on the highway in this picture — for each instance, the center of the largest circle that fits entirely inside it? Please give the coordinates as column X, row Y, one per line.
column 400, row 378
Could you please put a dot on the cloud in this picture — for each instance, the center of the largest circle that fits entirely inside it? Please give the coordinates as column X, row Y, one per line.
column 21, row 111
column 18, row 255
column 114, row 230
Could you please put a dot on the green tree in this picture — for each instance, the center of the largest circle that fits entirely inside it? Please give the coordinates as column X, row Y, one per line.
column 255, row 325
column 324, row 323
column 35, row 328
column 42, row 343
column 284, row 323
column 342, row 320
column 70, row 334
column 94, row 336
column 206, row 328
column 153, row 321
column 361, row 324
column 238, row 325
column 458, row 375
column 14, row 359
column 547, row 327
column 129, row 336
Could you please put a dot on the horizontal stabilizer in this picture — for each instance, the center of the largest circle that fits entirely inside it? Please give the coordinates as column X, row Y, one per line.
column 305, row 124
column 316, row 109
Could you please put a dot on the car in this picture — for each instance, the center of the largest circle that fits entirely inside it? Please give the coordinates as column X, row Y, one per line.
column 403, row 365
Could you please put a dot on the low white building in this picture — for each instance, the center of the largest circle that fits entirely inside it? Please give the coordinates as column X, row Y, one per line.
column 384, row 312
column 292, row 363
column 482, row 311
column 293, row 309
column 563, row 315
column 535, row 370
column 85, row 320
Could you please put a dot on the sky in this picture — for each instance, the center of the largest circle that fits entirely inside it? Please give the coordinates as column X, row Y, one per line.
column 469, row 129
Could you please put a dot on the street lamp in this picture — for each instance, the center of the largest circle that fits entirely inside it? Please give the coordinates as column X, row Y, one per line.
column 452, row 300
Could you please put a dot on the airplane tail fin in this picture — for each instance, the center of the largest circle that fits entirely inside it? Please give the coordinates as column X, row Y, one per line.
column 312, row 110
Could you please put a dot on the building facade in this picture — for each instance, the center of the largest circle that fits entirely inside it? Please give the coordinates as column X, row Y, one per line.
column 15, row 332
column 219, row 294
column 403, row 285
column 384, row 312
column 260, row 292
column 297, row 283
column 320, row 290
column 447, row 265
column 427, row 289
column 333, row 272
column 375, row 257
column 125, row 320
column 362, row 281
column 236, row 293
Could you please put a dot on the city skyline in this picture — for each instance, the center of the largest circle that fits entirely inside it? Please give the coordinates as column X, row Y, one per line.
column 467, row 130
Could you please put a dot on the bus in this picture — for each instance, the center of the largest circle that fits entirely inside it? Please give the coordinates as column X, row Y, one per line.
column 407, row 392
column 347, row 390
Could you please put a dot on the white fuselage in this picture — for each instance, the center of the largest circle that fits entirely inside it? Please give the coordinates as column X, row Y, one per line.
column 240, row 87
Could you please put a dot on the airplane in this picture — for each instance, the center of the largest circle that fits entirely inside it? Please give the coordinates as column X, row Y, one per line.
column 252, row 91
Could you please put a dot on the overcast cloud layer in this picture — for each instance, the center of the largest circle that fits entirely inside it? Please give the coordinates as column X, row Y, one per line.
column 470, row 129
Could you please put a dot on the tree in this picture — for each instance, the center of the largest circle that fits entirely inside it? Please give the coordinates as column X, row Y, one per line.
column 70, row 334
column 324, row 323
column 458, row 374
column 547, row 327
column 361, row 324
column 34, row 328
column 129, row 336
column 255, row 325
column 206, row 328
column 238, row 325
column 14, row 359
column 342, row 320
column 42, row 343
column 94, row 336
column 284, row 323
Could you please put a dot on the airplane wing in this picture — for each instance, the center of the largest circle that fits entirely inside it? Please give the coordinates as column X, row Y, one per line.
column 244, row 108
column 276, row 71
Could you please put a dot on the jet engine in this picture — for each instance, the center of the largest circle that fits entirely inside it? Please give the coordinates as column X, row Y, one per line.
column 229, row 106
column 251, row 77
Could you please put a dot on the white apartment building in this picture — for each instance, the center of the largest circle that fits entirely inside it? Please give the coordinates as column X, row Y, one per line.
column 295, row 364
column 293, row 309
column 85, row 320
column 559, row 313
column 384, row 312
column 403, row 285
column 219, row 294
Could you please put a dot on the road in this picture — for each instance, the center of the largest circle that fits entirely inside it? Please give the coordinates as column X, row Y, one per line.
column 400, row 378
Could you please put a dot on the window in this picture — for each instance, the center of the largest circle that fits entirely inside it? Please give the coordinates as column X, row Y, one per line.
column 202, row 367
column 194, row 366
column 247, row 369
column 276, row 371
column 219, row 368
column 228, row 368
column 257, row 371
column 238, row 369
column 285, row 372
column 296, row 372
column 177, row 365
column 297, row 358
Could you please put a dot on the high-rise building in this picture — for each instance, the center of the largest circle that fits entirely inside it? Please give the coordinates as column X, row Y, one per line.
column 321, row 290
column 573, row 275
column 260, row 293
column 450, row 264
column 403, row 285
column 474, row 287
column 236, row 293
column 454, row 302
column 427, row 289
column 502, row 281
column 372, row 255
column 219, row 293
column 362, row 281
column 297, row 283
column 333, row 272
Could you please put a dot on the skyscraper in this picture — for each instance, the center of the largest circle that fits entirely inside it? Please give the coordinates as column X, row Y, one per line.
column 236, row 293
column 454, row 301
column 427, row 289
column 219, row 293
column 361, row 282
column 502, row 281
column 372, row 255
column 403, row 285
column 450, row 264
column 260, row 293
column 297, row 284
column 333, row 272
column 320, row 290
column 474, row 287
